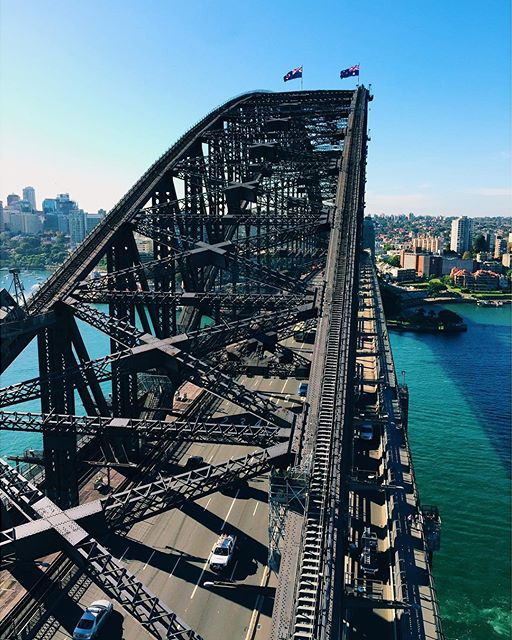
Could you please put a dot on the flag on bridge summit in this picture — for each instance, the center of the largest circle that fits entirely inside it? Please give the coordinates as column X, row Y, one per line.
column 352, row 71
column 295, row 73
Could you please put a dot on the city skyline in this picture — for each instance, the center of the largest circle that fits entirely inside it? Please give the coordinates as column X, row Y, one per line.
column 106, row 110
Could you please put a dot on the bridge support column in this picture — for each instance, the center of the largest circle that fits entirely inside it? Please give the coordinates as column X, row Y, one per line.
column 59, row 447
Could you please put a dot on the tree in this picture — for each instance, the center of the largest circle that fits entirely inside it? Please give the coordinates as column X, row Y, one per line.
column 394, row 261
column 466, row 255
column 479, row 243
column 435, row 287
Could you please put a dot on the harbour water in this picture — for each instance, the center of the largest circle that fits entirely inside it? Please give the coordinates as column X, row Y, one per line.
column 459, row 427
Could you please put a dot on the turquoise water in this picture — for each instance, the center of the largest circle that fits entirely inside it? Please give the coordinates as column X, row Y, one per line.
column 459, row 426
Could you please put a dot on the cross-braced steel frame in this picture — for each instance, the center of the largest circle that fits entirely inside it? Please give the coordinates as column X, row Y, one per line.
column 241, row 213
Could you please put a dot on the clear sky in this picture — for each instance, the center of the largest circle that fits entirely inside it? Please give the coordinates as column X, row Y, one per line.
column 93, row 91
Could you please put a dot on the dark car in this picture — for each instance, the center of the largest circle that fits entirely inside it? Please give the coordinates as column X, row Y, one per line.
column 194, row 462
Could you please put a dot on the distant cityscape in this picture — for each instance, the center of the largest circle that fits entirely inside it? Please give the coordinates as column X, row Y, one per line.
column 473, row 254
column 33, row 237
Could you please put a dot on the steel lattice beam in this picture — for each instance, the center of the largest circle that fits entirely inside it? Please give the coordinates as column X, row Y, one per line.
column 225, row 432
column 107, row 572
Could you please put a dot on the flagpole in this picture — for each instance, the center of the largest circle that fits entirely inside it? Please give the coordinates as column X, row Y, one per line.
column 359, row 74
column 301, row 78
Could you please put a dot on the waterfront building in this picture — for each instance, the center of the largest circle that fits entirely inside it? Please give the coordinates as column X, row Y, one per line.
column 409, row 260
column 460, row 238
column 462, row 278
column 486, row 280
column 29, row 194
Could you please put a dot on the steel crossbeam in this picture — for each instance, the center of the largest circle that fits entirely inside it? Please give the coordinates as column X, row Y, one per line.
column 226, row 432
column 122, row 509
column 107, row 572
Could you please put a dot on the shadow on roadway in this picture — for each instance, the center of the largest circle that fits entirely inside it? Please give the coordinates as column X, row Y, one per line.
column 113, row 629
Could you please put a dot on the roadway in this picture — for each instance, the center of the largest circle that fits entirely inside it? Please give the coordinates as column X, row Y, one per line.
column 169, row 552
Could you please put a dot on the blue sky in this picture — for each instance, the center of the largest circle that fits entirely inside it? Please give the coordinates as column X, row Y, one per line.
column 91, row 93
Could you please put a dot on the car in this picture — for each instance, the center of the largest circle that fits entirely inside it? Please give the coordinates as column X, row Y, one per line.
column 194, row 462
column 303, row 389
column 222, row 552
column 92, row 620
column 366, row 431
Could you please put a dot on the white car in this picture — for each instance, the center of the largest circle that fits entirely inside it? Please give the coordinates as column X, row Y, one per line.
column 222, row 552
column 366, row 431
column 92, row 620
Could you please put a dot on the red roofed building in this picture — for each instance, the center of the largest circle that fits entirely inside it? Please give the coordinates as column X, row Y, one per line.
column 480, row 280
column 462, row 278
column 486, row 280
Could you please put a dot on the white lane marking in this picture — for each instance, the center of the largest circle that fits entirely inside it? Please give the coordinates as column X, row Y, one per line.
column 154, row 551
column 201, row 576
column 210, row 459
column 255, row 509
column 206, row 505
column 177, row 563
column 125, row 551
column 229, row 512
column 259, row 601
column 233, row 572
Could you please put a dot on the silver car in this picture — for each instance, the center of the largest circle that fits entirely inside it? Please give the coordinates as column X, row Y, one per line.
column 92, row 620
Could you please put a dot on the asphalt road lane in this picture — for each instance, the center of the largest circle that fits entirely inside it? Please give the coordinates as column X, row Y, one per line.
column 169, row 552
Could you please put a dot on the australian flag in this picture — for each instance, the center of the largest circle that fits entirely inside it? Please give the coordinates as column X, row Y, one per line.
column 352, row 71
column 295, row 73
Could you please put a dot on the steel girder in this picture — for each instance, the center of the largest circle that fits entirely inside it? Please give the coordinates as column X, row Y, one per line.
column 227, row 431
column 123, row 509
column 107, row 572
column 317, row 611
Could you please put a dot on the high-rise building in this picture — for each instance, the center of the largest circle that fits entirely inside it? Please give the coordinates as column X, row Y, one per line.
column 12, row 199
column 489, row 239
column 460, row 239
column 23, row 222
column 500, row 246
column 49, row 205
column 91, row 220
column 77, row 227
column 29, row 194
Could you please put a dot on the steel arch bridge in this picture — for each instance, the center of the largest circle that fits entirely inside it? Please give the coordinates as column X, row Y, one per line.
column 255, row 219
